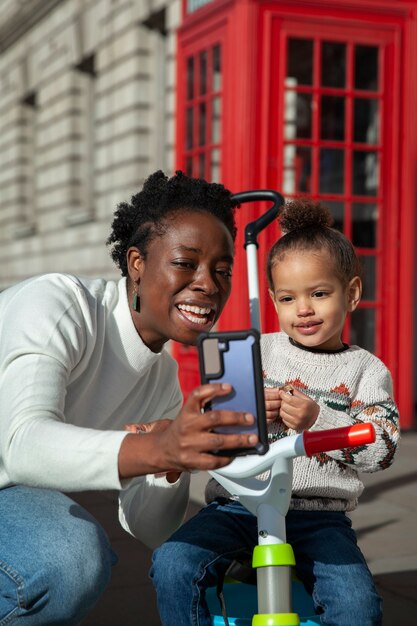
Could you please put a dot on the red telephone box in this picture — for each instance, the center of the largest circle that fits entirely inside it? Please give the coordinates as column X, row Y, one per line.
column 317, row 99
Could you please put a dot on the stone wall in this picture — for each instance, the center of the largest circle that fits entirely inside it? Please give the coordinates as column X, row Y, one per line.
column 86, row 113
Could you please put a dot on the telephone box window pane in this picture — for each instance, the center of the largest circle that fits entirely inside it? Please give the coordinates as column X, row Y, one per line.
column 300, row 61
column 362, row 329
column 338, row 212
column 332, row 118
column 190, row 78
column 333, row 64
column 365, row 173
column 332, row 174
column 203, row 73
column 217, row 68
column 189, row 128
column 216, row 120
column 215, row 165
column 298, row 124
column 364, row 223
column 368, row 277
column 366, row 121
column 194, row 5
column 189, row 166
column 297, row 169
column 202, row 165
column 202, row 124
column 366, row 68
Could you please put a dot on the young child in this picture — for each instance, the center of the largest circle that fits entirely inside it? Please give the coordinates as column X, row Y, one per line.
column 314, row 282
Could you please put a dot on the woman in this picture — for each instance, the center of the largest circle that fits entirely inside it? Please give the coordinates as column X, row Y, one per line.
column 82, row 358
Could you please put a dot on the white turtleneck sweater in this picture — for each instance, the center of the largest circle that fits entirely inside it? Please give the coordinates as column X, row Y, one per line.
column 73, row 372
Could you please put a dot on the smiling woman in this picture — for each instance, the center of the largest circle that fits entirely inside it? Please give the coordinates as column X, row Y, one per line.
column 193, row 262
column 81, row 365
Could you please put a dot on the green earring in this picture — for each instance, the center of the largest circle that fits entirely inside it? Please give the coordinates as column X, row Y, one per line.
column 136, row 302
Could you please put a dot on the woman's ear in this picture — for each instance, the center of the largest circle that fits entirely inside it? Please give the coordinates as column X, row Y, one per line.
column 354, row 293
column 135, row 264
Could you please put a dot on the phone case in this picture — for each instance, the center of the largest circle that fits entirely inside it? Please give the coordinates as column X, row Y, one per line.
column 234, row 357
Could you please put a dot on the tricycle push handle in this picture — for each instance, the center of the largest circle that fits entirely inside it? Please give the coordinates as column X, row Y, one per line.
column 338, row 438
column 253, row 228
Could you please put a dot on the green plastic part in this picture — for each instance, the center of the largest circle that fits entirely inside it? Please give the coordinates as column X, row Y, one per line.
column 273, row 554
column 276, row 619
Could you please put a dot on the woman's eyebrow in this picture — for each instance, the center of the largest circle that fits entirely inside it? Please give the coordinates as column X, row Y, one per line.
column 183, row 248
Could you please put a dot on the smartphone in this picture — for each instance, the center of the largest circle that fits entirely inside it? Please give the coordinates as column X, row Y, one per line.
column 235, row 357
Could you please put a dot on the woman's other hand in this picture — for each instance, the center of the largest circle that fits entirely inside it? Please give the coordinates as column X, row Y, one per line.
column 154, row 427
column 149, row 427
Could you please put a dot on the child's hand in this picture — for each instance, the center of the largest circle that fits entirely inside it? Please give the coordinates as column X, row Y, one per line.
column 297, row 411
column 272, row 404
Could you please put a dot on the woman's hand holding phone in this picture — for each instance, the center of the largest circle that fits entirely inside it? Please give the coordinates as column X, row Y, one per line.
column 187, row 442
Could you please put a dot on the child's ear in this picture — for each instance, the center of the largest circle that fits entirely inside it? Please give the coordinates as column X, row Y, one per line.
column 354, row 293
column 271, row 293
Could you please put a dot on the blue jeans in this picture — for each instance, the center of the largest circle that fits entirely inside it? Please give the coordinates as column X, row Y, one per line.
column 55, row 559
column 329, row 563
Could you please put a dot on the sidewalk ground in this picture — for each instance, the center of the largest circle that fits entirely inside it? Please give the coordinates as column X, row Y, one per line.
column 386, row 524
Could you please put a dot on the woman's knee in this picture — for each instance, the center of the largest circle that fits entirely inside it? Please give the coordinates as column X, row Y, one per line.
column 46, row 596
column 91, row 566
column 83, row 569
column 56, row 565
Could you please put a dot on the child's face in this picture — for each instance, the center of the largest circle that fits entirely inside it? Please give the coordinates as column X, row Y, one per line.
column 310, row 300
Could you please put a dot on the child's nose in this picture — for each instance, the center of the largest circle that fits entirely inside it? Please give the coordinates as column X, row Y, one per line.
column 304, row 307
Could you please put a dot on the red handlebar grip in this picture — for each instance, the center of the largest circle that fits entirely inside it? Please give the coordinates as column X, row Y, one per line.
column 338, row 438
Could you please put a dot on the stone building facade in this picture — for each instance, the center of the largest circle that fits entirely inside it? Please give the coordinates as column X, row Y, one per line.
column 86, row 114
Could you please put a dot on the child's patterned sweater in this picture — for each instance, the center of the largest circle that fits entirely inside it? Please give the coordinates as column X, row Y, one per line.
column 350, row 387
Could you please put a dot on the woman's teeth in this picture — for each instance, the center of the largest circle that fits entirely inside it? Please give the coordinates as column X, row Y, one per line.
column 191, row 312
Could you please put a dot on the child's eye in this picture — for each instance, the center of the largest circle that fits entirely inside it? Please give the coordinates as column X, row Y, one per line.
column 320, row 294
column 286, row 299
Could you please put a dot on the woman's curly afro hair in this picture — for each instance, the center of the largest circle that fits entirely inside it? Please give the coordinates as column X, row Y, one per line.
column 147, row 215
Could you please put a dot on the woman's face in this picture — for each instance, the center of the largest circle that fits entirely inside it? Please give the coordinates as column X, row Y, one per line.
column 185, row 280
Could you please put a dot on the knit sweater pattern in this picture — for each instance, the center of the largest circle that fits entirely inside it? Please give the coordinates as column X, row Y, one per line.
column 350, row 387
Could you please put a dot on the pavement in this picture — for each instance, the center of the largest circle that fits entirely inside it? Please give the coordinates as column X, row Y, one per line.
column 385, row 521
